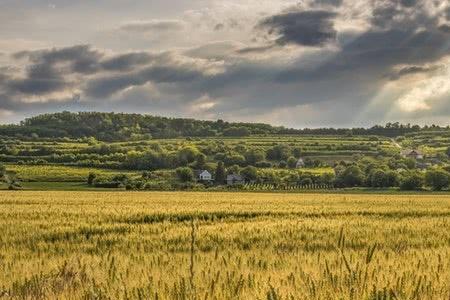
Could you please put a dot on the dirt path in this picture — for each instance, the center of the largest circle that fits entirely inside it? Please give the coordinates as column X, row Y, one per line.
column 396, row 144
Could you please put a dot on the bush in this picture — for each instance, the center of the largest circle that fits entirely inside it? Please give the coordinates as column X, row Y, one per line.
column 250, row 173
column 2, row 171
column 91, row 178
column 282, row 164
column 108, row 184
column 412, row 181
column 306, row 181
column 185, row 174
column 263, row 164
column 437, row 179
column 292, row 162
column 235, row 159
column 352, row 176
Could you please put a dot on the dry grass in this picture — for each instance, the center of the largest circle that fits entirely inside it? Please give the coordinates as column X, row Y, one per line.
column 88, row 245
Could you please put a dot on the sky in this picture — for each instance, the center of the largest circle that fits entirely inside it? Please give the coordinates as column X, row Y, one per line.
column 309, row 63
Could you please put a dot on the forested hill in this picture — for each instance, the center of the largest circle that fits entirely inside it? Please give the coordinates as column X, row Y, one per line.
column 123, row 127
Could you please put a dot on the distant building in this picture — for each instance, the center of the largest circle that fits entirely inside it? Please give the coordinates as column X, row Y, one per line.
column 233, row 179
column 204, row 175
column 414, row 154
column 300, row 163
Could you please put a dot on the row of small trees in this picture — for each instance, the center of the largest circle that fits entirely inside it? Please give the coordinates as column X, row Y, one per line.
column 355, row 176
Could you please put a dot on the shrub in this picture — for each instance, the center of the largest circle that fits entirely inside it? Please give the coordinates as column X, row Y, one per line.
column 185, row 174
column 91, row 178
column 437, row 179
column 250, row 173
column 263, row 164
column 352, row 176
column 292, row 162
column 412, row 181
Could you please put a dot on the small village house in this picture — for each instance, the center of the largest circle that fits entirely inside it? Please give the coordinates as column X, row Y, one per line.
column 233, row 179
column 300, row 163
column 204, row 175
column 414, row 154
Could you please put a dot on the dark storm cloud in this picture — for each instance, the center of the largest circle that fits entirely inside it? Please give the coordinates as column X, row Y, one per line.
column 152, row 26
column 307, row 28
column 126, row 62
column 109, row 85
column 81, row 58
column 376, row 52
column 36, row 86
column 409, row 70
column 329, row 2
column 445, row 28
column 408, row 3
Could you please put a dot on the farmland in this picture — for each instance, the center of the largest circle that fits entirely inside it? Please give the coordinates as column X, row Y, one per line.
column 137, row 245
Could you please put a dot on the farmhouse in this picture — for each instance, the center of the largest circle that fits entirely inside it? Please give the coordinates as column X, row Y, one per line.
column 414, row 154
column 300, row 163
column 204, row 175
column 233, row 179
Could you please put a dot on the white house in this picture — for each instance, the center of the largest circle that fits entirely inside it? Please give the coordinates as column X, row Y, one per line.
column 204, row 175
column 300, row 163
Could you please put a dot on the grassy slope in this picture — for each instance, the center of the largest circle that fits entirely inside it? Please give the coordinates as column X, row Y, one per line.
column 57, row 173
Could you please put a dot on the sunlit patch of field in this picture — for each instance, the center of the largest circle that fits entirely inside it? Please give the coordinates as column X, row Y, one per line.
column 118, row 245
column 59, row 173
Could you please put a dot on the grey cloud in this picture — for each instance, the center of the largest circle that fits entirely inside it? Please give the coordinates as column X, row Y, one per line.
column 152, row 25
column 329, row 2
column 82, row 58
column 408, row 3
column 307, row 28
column 445, row 28
column 107, row 86
column 216, row 50
column 36, row 86
column 219, row 27
column 257, row 49
column 126, row 62
column 376, row 52
column 409, row 70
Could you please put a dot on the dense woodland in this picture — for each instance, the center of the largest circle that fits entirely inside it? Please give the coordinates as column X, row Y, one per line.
column 126, row 127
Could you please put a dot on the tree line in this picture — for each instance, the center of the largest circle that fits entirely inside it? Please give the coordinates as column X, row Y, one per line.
column 126, row 127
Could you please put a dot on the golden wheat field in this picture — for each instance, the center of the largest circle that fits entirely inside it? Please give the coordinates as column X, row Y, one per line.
column 123, row 245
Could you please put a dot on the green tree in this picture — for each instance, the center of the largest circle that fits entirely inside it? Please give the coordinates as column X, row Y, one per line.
column 297, row 152
column 2, row 170
column 220, row 174
column 282, row 164
column 307, row 181
column 235, row 159
column 200, row 161
column 412, row 181
column 292, row 162
column 236, row 131
column 352, row 176
column 187, row 155
column 279, row 152
column 91, row 177
column 185, row 174
column 437, row 179
column 250, row 173
column 410, row 163
column 254, row 156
